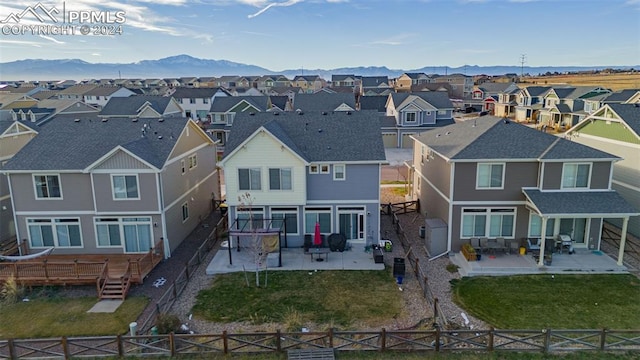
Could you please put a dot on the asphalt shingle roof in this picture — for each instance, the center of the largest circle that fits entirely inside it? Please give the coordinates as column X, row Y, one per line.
column 376, row 103
column 67, row 144
column 323, row 101
column 439, row 99
column 630, row 113
column 198, row 93
column 580, row 202
column 316, row 137
column 621, row 96
column 490, row 137
column 374, row 81
column 224, row 104
column 129, row 106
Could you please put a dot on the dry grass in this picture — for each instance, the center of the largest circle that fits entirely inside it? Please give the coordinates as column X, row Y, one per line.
column 614, row 82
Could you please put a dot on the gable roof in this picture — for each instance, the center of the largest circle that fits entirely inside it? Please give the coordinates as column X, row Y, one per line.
column 129, row 106
column 621, row 96
column 630, row 113
column 226, row 103
column 316, row 137
column 437, row 99
column 323, row 101
column 490, row 137
column 536, row 90
column 374, row 81
column 103, row 90
column 374, row 102
column 198, row 93
column 93, row 138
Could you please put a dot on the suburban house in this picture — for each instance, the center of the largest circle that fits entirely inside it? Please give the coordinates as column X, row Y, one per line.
column 492, row 178
column 626, row 96
column 461, row 85
column 411, row 113
column 529, row 102
column 196, row 102
column 89, row 185
column 309, row 83
column 13, row 136
column 404, row 82
column 75, row 92
column 507, row 102
column 100, row 95
column 224, row 109
column 142, row 106
column 345, row 81
column 287, row 91
column 565, row 107
column 47, row 109
column 485, row 97
column 306, row 168
column 375, row 85
column 323, row 101
column 615, row 128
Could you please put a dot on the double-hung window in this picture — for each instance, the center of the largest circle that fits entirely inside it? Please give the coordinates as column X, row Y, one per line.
column 490, row 176
column 249, row 179
column 410, row 117
column 193, row 161
column 339, row 172
column 279, row 179
column 47, row 186
column 125, row 187
column 576, row 176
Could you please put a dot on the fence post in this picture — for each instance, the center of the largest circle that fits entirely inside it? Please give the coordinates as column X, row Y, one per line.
column 383, row 340
column 437, row 339
column 547, row 340
column 603, row 339
column 491, row 338
column 225, row 343
column 120, row 346
column 65, row 347
column 435, row 309
column 172, row 344
column 186, row 269
column 389, row 209
column 417, row 267
column 12, row 349
column 278, row 341
column 331, row 337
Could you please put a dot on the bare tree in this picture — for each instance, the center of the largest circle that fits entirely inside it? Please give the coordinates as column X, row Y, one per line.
column 255, row 244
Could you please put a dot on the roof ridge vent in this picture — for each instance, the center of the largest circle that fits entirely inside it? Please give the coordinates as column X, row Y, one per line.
column 135, row 119
column 76, row 120
column 105, row 119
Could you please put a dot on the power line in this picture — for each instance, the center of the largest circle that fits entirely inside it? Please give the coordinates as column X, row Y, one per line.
column 523, row 59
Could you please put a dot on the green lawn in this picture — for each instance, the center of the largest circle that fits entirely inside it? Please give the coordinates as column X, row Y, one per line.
column 546, row 301
column 55, row 317
column 334, row 298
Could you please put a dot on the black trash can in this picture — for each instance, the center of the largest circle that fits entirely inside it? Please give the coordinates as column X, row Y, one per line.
column 398, row 267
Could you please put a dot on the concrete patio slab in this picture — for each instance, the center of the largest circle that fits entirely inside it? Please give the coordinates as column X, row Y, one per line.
column 106, row 306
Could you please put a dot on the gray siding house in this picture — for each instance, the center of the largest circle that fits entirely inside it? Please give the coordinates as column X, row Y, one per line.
column 307, row 167
column 90, row 185
column 493, row 178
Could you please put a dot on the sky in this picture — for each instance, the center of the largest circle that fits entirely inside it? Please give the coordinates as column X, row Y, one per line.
column 326, row 34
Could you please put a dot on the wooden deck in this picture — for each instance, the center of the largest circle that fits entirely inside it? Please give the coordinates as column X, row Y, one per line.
column 83, row 269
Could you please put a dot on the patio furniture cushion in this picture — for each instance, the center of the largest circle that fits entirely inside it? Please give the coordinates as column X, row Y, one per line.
column 533, row 244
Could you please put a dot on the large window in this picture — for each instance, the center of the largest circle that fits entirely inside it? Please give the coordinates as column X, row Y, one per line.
column 61, row 233
column 490, row 176
column 125, row 187
column 351, row 222
column 281, row 215
column 535, row 226
column 245, row 216
column 495, row 222
column 134, row 233
column 317, row 215
column 47, row 186
column 279, row 179
column 575, row 176
column 249, row 179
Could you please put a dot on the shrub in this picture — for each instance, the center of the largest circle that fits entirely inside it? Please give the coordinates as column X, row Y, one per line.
column 10, row 291
column 452, row 267
column 167, row 323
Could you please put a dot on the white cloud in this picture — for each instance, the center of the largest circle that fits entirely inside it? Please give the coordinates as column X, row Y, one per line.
column 20, row 42
column 283, row 4
column 395, row 40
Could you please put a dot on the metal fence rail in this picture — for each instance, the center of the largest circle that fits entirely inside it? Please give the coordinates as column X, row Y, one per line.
column 526, row 340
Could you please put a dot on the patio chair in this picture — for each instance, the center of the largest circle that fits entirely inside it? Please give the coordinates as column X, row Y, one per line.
column 475, row 244
column 533, row 245
column 502, row 244
column 514, row 247
column 484, row 242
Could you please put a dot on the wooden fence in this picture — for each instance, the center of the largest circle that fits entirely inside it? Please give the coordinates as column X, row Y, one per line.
column 400, row 208
column 540, row 341
column 176, row 288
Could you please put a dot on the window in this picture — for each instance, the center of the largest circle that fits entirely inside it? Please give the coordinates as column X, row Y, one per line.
column 281, row 215
column 108, row 232
column 125, row 187
column 442, row 112
column 182, row 167
column 495, row 222
column 410, row 117
column 575, row 176
column 205, row 100
column 314, row 169
column 249, row 179
column 61, row 233
column 193, row 161
column 192, row 101
column 185, row 212
column 279, row 179
column 324, row 169
column 246, row 214
column 535, row 226
column 319, row 215
column 351, row 222
column 134, row 233
column 490, row 176
column 339, row 172
column 47, row 186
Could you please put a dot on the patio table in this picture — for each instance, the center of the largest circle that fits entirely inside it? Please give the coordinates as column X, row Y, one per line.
column 319, row 252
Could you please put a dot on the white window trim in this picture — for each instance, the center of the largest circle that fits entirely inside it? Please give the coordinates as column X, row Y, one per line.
column 279, row 168
column 323, row 210
column 360, row 210
column 291, row 211
column 113, row 188
column 575, row 188
column 183, row 169
column 121, row 223
column 250, row 168
column 193, row 161
column 531, row 215
column 52, row 223
column 35, row 189
column 504, row 171
column 344, row 172
column 324, row 168
column 252, row 210
column 311, row 169
column 118, row 223
column 184, row 205
column 487, row 226
column 406, row 117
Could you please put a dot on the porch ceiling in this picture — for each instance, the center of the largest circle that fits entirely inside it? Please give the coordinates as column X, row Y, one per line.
column 579, row 203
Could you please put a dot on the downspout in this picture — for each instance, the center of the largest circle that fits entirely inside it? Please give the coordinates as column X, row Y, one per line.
column 15, row 217
column 163, row 218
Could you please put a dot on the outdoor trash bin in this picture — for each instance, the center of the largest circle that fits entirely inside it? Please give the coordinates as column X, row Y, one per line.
column 398, row 267
column 378, row 257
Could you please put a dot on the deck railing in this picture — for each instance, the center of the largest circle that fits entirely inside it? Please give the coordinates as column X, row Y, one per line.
column 78, row 272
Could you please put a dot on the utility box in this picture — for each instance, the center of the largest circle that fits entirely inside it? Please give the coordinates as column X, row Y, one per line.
column 435, row 236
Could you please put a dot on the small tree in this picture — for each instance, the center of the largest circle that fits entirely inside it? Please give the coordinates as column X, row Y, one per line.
column 255, row 244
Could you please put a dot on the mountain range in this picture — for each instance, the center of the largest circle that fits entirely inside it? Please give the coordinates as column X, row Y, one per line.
column 185, row 65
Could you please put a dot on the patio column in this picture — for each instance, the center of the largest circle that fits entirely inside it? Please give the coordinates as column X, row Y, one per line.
column 623, row 239
column 543, row 235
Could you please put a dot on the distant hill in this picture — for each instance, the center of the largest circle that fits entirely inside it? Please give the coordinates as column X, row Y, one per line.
column 185, row 65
